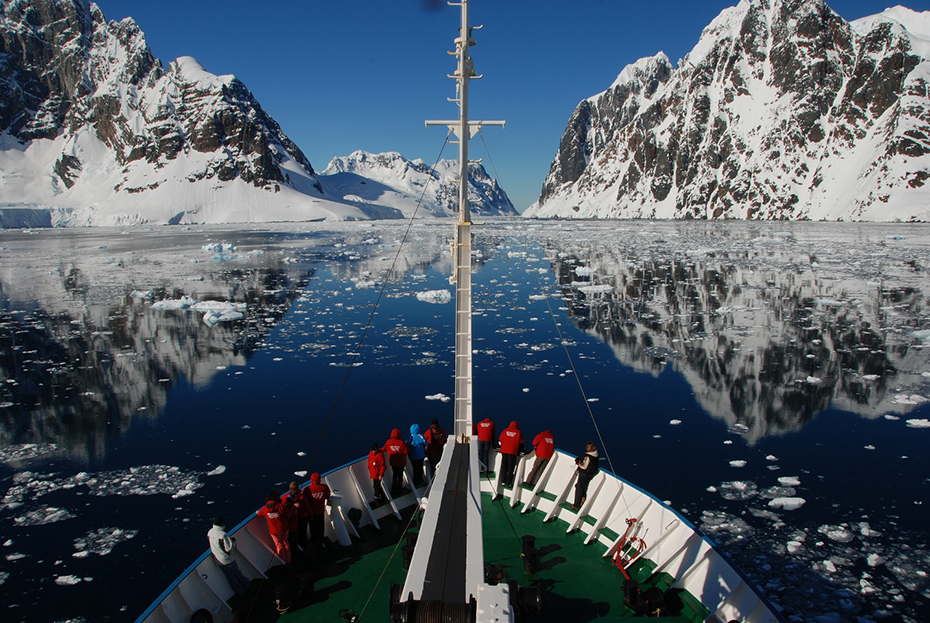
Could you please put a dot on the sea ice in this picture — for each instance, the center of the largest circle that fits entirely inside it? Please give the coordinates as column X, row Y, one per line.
column 788, row 504
column 789, row 481
column 67, row 580
column 675, row 422
column 738, row 490
column 101, row 541
column 441, row 397
column 435, row 296
column 738, row 463
column 922, row 423
column 840, row 534
column 217, row 471
column 42, row 516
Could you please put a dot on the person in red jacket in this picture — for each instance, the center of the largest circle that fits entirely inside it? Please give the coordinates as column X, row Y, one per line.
column 511, row 445
column 544, row 443
column 486, row 432
column 435, row 440
column 296, row 496
column 317, row 493
column 277, row 517
column 396, row 449
column 376, row 471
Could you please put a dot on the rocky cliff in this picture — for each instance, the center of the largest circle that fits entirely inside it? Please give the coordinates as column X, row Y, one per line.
column 94, row 130
column 783, row 110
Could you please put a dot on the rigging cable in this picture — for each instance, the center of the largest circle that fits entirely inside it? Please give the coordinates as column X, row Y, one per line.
column 562, row 340
column 390, row 273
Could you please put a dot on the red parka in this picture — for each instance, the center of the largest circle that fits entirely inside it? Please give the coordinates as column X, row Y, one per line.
column 435, row 439
column 317, row 493
column 485, row 430
column 376, row 464
column 511, row 439
column 544, row 444
column 300, row 503
column 396, row 449
column 276, row 515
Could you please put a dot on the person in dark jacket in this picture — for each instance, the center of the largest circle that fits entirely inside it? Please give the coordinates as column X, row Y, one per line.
column 587, row 469
column 376, row 471
column 485, row 431
column 544, row 443
column 416, row 450
column 435, row 440
column 303, row 516
column 396, row 451
column 511, row 445
column 318, row 494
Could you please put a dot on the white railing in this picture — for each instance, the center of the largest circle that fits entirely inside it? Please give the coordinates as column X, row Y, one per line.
column 670, row 541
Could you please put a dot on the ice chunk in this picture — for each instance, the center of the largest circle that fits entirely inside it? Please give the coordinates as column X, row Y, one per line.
column 738, row 490
column 840, row 534
column 788, row 504
column 874, row 560
column 435, row 296
column 43, row 515
column 675, row 422
column 922, row 423
column 67, row 580
column 789, row 481
column 440, row 397
column 738, row 463
column 101, row 541
column 217, row 471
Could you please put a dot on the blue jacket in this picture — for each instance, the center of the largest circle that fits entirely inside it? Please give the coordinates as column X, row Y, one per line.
column 417, row 443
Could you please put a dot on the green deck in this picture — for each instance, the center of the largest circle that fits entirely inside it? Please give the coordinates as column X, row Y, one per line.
column 578, row 584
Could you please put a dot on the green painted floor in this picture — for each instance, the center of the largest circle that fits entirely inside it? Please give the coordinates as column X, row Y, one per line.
column 577, row 584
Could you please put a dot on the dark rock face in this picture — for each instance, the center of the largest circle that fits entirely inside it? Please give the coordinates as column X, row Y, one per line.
column 66, row 69
column 782, row 111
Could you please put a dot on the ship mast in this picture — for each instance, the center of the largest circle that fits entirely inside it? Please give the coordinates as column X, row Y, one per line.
column 463, row 129
column 446, row 578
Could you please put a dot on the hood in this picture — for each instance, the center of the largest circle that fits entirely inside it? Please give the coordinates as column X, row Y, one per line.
column 592, row 452
column 314, row 479
column 513, row 425
column 414, row 429
column 395, row 434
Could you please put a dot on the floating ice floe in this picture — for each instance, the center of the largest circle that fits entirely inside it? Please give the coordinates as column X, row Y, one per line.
column 67, row 580
column 596, row 289
column 42, row 516
column 435, row 296
column 25, row 452
column 912, row 399
column 840, row 534
column 675, row 422
column 789, row 481
column 301, row 473
column 440, row 397
column 219, row 469
column 738, row 463
column 101, row 541
column 923, row 423
column 788, row 504
column 738, row 490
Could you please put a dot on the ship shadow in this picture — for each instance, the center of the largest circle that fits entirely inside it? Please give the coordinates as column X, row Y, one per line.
column 561, row 608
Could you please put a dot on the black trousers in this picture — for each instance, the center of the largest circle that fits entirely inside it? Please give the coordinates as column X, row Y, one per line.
column 581, row 487
column 508, row 468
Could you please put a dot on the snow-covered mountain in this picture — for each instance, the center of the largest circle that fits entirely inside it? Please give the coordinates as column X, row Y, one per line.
column 783, row 110
column 391, row 179
column 95, row 131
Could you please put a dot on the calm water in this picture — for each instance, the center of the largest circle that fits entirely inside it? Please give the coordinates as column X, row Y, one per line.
column 720, row 365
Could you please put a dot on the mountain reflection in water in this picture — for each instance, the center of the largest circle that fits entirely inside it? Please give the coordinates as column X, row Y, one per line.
column 129, row 421
column 767, row 329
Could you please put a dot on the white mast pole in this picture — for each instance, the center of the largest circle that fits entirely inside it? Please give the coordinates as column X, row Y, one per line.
column 463, row 129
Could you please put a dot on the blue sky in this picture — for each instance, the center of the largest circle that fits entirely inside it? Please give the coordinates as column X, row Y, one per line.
column 340, row 76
